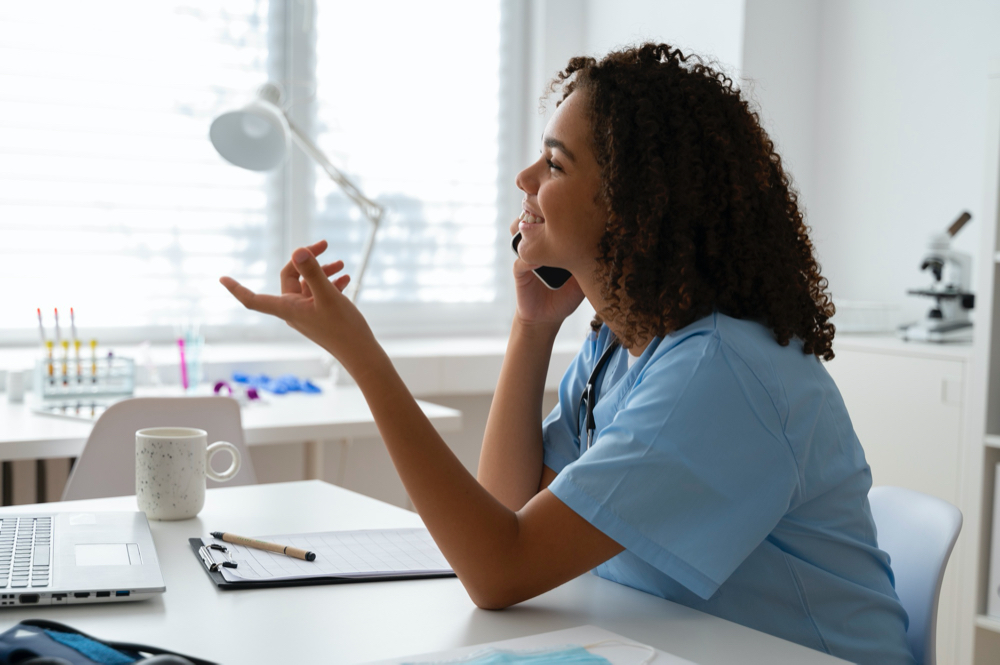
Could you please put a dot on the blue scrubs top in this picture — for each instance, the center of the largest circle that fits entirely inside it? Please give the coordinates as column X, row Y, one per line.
column 728, row 468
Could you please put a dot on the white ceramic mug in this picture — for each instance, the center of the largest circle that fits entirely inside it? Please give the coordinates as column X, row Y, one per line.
column 170, row 468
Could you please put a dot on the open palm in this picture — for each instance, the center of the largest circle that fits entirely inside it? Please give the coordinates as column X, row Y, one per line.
column 310, row 302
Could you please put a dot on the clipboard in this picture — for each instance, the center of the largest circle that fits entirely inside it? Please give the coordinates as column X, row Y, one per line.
column 197, row 547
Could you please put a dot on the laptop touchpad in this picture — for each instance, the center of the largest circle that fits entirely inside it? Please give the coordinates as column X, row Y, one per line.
column 102, row 554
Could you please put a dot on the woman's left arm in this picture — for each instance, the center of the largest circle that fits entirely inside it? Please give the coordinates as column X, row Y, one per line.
column 501, row 556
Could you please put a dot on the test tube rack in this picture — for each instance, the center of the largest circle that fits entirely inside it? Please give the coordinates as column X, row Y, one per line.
column 63, row 380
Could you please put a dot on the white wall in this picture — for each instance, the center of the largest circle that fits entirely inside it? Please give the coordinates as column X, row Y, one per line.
column 886, row 137
column 712, row 28
column 780, row 73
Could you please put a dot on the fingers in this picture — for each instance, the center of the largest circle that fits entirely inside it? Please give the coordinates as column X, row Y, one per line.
column 258, row 302
column 313, row 275
column 317, row 247
column 342, row 282
column 330, row 269
column 290, row 279
column 290, row 274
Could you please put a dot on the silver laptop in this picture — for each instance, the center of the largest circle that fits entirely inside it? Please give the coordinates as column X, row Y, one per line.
column 70, row 558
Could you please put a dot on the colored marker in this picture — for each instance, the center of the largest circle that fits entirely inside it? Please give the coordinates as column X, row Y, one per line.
column 184, row 371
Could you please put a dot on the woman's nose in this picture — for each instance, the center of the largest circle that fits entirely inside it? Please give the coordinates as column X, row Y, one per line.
column 526, row 181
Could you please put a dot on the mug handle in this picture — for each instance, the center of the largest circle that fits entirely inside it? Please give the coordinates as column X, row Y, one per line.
column 233, row 469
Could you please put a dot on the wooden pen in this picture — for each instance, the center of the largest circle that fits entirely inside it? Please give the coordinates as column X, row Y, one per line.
column 288, row 550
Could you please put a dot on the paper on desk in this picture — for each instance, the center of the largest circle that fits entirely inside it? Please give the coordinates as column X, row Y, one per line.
column 351, row 554
column 617, row 649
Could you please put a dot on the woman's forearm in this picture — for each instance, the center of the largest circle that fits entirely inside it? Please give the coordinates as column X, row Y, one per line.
column 475, row 532
column 510, row 464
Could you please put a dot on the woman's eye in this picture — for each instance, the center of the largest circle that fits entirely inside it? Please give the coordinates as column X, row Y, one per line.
column 552, row 165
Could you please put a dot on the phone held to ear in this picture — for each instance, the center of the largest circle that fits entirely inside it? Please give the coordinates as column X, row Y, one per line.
column 551, row 277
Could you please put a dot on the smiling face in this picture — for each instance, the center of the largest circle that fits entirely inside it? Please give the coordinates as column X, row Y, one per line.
column 562, row 222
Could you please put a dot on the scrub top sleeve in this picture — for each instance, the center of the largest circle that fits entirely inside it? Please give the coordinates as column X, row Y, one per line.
column 560, row 429
column 693, row 471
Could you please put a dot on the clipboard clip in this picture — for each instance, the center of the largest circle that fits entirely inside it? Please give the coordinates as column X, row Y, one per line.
column 211, row 563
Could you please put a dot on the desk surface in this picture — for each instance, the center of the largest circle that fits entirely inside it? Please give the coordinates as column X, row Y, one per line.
column 339, row 412
column 351, row 623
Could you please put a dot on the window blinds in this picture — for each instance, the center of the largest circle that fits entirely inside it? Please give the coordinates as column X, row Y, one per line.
column 112, row 199
column 408, row 105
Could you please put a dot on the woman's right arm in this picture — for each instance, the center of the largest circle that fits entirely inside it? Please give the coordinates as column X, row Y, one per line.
column 510, row 464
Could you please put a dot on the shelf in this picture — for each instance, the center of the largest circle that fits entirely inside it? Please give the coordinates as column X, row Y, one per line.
column 992, row 440
column 988, row 622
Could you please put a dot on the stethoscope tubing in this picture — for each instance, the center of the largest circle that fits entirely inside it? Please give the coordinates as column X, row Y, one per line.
column 589, row 398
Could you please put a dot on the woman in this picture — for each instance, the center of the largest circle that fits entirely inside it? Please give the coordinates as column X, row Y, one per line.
column 723, row 471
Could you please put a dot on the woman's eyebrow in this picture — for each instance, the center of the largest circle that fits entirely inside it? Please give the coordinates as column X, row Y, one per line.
column 556, row 143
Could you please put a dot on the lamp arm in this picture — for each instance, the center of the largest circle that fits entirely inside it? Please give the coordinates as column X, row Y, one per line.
column 372, row 211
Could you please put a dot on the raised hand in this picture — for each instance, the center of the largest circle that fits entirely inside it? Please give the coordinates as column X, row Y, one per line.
column 310, row 302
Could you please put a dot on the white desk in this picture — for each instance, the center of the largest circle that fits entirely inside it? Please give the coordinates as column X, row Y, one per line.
column 351, row 623
column 339, row 413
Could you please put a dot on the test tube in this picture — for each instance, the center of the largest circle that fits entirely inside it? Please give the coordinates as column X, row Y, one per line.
column 48, row 352
column 79, row 366
column 65, row 362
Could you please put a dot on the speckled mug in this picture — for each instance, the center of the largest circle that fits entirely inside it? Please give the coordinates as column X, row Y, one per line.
column 170, row 468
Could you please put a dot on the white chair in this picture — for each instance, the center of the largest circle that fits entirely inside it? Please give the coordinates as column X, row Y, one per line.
column 918, row 532
column 106, row 467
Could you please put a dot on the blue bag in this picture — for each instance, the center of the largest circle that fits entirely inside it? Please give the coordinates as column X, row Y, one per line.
column 38, row 640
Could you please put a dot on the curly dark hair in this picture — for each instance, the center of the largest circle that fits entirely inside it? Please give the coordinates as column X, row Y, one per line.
column 702, row 215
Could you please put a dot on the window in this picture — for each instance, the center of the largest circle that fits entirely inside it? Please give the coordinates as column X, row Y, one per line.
column 113, row 201
column 417, row 125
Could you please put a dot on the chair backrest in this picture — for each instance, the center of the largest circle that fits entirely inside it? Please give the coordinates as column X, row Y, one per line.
column 918, row 532
column 107, row 465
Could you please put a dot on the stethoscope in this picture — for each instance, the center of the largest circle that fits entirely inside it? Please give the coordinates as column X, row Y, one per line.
column 589, row 399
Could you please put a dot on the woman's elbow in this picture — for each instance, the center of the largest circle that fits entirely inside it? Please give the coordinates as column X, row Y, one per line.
column 490, row 599
column 493, row 595
column 484, row 603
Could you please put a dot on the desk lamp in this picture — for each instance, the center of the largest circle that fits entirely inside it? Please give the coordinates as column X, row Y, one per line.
column 256, row 137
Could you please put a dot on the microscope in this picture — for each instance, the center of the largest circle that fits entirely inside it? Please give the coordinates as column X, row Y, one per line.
column 948, row 320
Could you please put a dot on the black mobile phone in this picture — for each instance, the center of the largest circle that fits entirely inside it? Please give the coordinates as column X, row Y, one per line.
column 551, row 277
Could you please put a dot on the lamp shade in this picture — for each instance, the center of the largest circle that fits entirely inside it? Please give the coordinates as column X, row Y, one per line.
column 254, row 137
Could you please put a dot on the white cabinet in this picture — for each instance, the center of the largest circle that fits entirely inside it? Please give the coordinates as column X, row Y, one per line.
column 981, row 641
column 905, row 400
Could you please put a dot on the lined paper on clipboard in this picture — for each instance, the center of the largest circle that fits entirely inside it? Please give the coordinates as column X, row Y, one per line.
column 357, row 555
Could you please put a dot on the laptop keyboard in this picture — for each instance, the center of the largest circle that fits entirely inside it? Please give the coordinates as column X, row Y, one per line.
column 25, row 552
